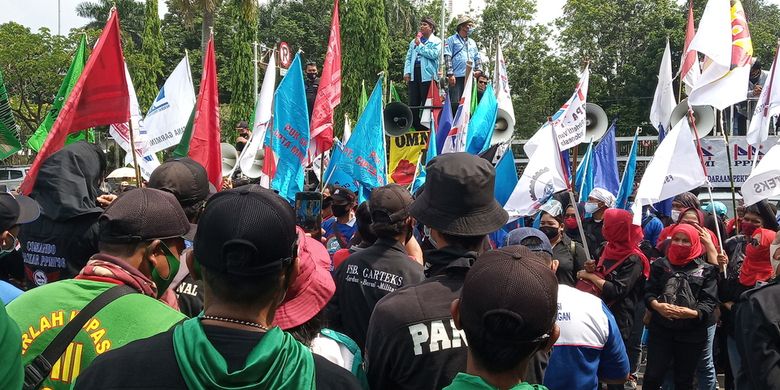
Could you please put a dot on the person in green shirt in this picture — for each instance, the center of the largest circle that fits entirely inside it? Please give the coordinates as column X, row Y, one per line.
column 141, row 237
column 507, row 309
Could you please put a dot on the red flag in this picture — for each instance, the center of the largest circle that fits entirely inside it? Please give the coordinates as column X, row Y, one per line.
column 689, row 57
column 204, row 146
column 328, row 94
column 433, row 99
column 99, row 98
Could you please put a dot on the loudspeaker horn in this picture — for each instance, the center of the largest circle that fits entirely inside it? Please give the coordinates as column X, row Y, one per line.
column 504, row 128
column 703, row 115
column 255, row 169
column 398, row 119
column 229, row 158
column 596, row 122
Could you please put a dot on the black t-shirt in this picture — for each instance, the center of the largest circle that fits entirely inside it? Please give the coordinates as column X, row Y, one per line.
column 151, row 363
column 189, row 293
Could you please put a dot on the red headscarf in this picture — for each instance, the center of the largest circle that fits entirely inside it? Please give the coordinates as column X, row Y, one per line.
column 666, row 233
column 623, row 238
column 684, row 257
column 757, row 267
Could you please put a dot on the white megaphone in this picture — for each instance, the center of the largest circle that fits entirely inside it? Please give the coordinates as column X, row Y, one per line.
column 229, row 158
column 703, row 116
column 505, row 122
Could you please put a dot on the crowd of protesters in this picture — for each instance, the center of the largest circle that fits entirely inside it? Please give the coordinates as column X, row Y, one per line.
column 177, row 285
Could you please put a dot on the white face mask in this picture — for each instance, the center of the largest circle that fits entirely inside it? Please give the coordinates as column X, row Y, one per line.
column 591, row 208
column 427, row 232
column 772, row 249
column 675, row 215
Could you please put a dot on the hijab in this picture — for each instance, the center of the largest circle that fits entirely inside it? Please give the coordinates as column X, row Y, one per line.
column 681, row 255
column 622, row 238
column 757, row 267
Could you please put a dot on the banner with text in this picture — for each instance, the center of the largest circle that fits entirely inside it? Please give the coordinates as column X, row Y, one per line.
column 715, row 159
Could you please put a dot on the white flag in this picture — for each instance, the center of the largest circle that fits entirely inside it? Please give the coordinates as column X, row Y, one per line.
column 675, row 168
column 501, row 87
column 541, row 178
column 569, row 121
column 764, row 181
column 248, row 163
column 167, row 117
column 723, row 37
column 147, row 162
column 768, row 106
column 347, row 127
column 456, row 139
column 663, row 100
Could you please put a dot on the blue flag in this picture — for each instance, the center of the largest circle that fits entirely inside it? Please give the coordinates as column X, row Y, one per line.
column 506, row 177
column 364, row 158
column 584, row 179
column 289, row 137
column 429, row 155
column 338, row 177
column 605, row 168
column 627, row 184
column 444, row 124
column 482, row 123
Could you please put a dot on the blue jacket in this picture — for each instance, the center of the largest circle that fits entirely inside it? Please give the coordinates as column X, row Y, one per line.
column 428, row 53
column 457, row 52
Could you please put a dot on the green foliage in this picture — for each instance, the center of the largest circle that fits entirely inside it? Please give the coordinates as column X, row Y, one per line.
column 131, row 18
column 148, row 72
column 240, row 79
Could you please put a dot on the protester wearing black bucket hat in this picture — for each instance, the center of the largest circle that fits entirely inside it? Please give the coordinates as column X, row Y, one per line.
column 411, row 341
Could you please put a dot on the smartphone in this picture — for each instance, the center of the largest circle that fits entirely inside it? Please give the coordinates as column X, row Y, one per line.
column 308, row 212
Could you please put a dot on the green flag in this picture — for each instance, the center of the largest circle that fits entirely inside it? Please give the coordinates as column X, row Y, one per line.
column 473, row 98
column 393, row 93
column 74, row 71
column 363, row 98
column 183, row 149
column 9, row 130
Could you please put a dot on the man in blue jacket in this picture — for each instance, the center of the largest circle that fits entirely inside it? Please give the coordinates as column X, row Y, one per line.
column 421, row 66
column 460, row 51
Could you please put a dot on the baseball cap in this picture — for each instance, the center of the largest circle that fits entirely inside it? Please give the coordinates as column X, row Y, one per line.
column 313, row 286
column 342, row 196
column 511, row 286
column 184, row 178
column 389, row 203
column 17, row 210
column 247, row 231
column 144, row 214
column 533, row 239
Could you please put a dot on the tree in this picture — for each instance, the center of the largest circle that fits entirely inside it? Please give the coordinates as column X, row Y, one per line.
column 240, row 78
column 205, row 10
column 131, row 16
column 148, row 72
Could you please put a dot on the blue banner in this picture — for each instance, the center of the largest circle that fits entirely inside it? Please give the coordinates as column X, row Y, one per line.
column 584, row 179
column 289, row 137
column 429, row 155
column 482, row 123
column 605, row 168
column 506, row 177
column 444, row 124
column 627, row 184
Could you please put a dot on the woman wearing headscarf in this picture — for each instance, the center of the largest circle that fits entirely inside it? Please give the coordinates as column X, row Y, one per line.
column 754, row 268
column 570, row 254
column 682, row 202
column 681, row 295
column 625, row 265
column 695, row 217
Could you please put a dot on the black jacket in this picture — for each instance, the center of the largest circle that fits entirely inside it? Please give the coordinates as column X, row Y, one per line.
column 593, row 235
column 363, row 279
column 622, row 290
column 729, row 287
column 151, row 363
column 758, row 341
column 571, row 258
column 311, row 87
column 59, row 243
column 412, row 342
column 702, row 278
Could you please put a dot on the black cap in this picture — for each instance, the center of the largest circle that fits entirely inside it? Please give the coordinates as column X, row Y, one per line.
column 143, row 214
column 242, row 125
column 342, row 196
column 17, row 210
column 247, row 231
column 531, row 238
column 184, row 177
column 390, row 203
column 514, row 284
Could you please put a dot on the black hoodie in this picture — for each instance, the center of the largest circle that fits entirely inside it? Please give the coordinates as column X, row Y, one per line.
column 58, row 244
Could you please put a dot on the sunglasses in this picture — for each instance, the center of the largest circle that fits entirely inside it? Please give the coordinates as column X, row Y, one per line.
column 482, row 82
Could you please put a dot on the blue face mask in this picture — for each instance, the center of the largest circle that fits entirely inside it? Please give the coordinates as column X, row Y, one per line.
column 471, row 31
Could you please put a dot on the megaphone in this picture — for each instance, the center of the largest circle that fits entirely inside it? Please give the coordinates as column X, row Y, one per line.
column 504, row 128
column 229, row 157
column 704, row 116
column 596, row 122
column 398, row 119
column 255, row 169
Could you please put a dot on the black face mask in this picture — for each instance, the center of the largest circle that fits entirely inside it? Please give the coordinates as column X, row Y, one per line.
column 550, row 232
column 311, row 76
column 339, row 210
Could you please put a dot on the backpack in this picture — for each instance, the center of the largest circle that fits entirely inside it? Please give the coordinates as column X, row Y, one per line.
column 677, row 290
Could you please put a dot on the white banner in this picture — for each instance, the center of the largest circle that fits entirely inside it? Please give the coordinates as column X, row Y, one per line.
column 165, row 121
column 569, row 121
column 714, row 152
column 765, row 180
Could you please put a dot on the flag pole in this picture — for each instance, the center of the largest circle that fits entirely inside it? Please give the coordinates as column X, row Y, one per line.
column 136, row 168
column 731, row 174
column 572, row 201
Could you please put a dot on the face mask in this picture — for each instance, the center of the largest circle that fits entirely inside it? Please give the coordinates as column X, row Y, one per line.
column 772, row 249
column 311, row 76
column 173, row 268
column 427, row 232
column 591, row 208
column 15, row 247
column 471, row 31
column 679, row 254
column 550, row 232
column 675, row 215
column 570, row 223
column 747, row 228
